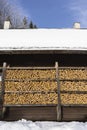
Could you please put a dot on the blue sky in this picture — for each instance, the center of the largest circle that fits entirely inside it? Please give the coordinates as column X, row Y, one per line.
column 55, row 13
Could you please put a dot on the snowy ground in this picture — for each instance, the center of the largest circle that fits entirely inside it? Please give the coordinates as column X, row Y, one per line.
column 29, row 125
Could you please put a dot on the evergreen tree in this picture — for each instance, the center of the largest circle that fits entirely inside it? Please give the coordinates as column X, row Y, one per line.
column 35, row 26
column 1, row 25
column 31, row 25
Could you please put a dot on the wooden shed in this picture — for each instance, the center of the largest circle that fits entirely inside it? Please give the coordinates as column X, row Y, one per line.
column 63, row 51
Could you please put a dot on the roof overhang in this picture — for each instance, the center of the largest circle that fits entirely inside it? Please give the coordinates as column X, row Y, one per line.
column 43, row 51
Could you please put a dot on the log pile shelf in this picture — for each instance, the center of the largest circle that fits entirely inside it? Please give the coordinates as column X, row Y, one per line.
column 43, row 86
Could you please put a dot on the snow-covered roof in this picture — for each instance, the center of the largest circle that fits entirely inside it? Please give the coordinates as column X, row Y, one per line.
column 43, row 39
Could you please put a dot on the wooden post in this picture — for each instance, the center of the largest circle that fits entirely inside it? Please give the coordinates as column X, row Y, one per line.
column 2, row 89
column 59, row 99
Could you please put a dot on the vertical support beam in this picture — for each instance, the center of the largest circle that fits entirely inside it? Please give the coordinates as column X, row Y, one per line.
column 2, row 89
column 59, row 99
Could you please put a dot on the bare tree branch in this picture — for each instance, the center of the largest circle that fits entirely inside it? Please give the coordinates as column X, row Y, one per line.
column 9, row 11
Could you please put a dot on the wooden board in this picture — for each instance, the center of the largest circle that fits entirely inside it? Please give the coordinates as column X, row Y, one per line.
column 31, row 113
column 74, row 114
column 45, row 113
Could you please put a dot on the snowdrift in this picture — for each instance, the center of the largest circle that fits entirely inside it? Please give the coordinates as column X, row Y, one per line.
column 29, row 125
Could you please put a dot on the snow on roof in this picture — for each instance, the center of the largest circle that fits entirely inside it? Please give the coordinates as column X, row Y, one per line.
column 43, row 39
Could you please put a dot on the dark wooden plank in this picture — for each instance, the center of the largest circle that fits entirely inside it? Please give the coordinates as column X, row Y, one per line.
column 31, row 113
column 36, row 80
column 74, row 92
column 43, row 51
column 31, row 68
column 45, row 113
column 73, row 68
column 74, row 80
column 24, row 105
column 41, row 92
column 74, row 105
column 76, row 113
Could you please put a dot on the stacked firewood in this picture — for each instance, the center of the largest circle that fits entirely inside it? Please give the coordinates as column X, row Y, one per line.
column 73, row 98
column 73, row 74
column 24, row 98
column 30, row 74
column 22, row 89
column 44, row 86
column 73, row 86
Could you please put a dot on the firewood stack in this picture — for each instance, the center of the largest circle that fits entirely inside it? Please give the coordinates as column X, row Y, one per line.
column 30, row 87
column 73, row 82
column 73, row 74
column 39, row 86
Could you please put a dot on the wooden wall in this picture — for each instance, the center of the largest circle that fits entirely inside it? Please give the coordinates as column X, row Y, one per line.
column 46, row 113
column 44, row 59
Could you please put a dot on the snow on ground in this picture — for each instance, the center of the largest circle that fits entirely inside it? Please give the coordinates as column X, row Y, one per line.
column 29, row 125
